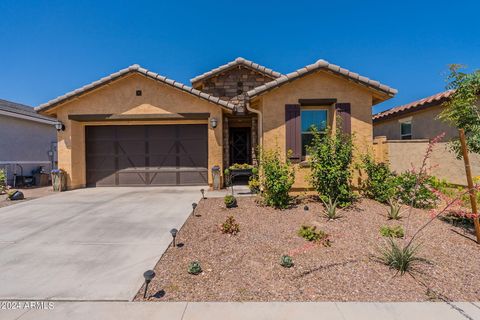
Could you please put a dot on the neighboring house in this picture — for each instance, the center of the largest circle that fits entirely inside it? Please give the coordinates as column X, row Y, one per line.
column 28, row 140
column 136, row 127
column 416, row 120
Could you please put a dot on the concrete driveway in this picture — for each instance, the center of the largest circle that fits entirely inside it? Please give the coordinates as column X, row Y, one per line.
column 88, row 244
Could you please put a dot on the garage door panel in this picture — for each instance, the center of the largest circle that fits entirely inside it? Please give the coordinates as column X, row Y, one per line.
column 147, row 155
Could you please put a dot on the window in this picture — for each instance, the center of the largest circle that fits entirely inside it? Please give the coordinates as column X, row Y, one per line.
column 312, row 119
column 406, row 130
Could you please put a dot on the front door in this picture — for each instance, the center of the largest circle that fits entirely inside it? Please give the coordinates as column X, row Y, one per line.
column 240, row 148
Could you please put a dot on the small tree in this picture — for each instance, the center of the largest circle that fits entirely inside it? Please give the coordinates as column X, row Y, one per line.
column 330, row 161
column 277, row 177
column 463, row 108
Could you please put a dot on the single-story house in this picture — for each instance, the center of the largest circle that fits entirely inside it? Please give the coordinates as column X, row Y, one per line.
column 415, row 120
column 28, row 141
column 136, row 127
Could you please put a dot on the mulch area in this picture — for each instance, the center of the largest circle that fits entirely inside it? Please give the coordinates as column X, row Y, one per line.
column 29, row 193
column 245, row 267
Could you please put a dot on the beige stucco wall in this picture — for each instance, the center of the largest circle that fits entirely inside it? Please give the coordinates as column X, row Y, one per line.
column 118, row 98
column 403, row 155
column 315, row 86
column 425, row 125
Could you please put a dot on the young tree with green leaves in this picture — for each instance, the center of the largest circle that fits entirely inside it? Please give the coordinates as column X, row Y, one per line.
column 463, row 108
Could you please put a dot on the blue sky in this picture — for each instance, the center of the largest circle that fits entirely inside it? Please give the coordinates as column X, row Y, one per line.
column 48, row 48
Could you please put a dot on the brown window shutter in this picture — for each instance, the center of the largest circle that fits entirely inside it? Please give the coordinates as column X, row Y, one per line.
column 344, row 114
column 293, row 128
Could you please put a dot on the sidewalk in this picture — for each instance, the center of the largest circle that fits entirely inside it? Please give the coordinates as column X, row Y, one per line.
column 249, row 310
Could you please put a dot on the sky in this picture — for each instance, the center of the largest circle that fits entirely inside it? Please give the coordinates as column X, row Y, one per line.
column 48, row 48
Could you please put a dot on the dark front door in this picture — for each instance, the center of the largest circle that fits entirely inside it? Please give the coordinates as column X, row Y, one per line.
column 149, row 155
column 240, row 151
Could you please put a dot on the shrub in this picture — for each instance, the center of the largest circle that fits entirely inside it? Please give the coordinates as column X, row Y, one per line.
column 416, row 190
column 277, row 178
column 399, row 257
column 230, row 201
column 381, row 184
column 194, row 268
column 230, row 226
column 3, row 181
column 392, row 232
column 286, row 261
column 310, row 233
column 254, row 184
column 331, row 209
column 394, row 210
column 330, row 161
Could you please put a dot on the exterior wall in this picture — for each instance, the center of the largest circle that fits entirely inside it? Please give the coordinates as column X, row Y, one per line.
column 315, row 86
column 403, row 155
column 24, row 140
column 226, row 84
column 118, row 98
column 425, row 125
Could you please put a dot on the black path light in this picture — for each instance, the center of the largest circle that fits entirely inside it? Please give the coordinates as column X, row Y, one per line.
column 194, row 206
column 173, row 232
column 203, row 193
column 148, row 275
column 305, row 208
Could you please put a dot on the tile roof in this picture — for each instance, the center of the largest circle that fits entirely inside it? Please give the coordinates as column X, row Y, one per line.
column 320, row 64
column 413, row 106
column 22, row 110
column 143, row 71
column 238, row 61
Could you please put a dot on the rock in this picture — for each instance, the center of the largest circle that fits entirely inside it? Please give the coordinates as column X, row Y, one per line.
column 17, row 195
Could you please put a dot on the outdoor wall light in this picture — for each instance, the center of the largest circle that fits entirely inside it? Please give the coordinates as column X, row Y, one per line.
column 173, row 232
column 148, row 275
column 213, row 122
column 194, row 206
column 203, row 193
column 59, row 126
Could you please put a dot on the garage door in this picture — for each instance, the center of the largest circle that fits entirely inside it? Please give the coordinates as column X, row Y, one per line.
column 150, row 155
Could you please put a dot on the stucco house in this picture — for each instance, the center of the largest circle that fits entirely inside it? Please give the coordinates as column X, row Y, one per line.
column 415, row 120
column 136, row 127
column 28, row 140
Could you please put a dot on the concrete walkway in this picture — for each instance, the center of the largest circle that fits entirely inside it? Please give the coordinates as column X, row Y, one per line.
column 88, row 244
column 249, row 310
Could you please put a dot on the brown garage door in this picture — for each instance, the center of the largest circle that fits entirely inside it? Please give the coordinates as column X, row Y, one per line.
column 150, row 155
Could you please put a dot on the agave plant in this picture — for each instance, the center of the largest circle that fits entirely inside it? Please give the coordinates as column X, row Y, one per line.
column 194, row 268
column 331, row 211
column 399, row 256
column 394, row 210
column 286, row 261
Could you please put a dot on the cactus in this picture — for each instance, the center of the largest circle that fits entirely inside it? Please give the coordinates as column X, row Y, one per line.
column 286, row 261
column 194, row 268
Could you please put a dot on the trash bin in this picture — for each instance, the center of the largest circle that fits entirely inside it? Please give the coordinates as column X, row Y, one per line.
column 58, row 180
column 216, row 177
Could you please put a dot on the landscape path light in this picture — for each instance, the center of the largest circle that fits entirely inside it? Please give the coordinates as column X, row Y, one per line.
column 148, row 275
column 173, row 232
column 194, row 206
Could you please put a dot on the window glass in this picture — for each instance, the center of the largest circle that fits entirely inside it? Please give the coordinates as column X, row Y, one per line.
column 312, row 119
column 406, row 130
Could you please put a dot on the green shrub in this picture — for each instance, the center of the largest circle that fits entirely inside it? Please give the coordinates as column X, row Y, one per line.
column 286, row 261
column 240, row 166
column 330, row 158
column 399, row 256
column 416, row 190
column 310, row 233
column 277, row 178
column 230, row 226
column 3, row 180
column 254, row 184
column 230, row 201
column 394, row 210
column 194, row 268
column 392, row 232
column 381, row 184
column 331, row 209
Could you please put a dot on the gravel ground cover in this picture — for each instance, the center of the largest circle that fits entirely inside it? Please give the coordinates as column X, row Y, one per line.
column 246, row 267
column 29, row 193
